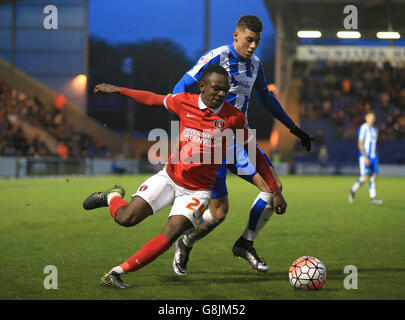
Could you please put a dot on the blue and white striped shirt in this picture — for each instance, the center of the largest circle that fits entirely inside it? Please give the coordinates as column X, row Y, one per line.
column 369, row 136
column 245, row 74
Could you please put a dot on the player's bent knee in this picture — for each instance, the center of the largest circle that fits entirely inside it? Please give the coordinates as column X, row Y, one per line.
column 221, row 219
column 129, row 218
column 124, row 219
column 219, row 208
column 136, row 211
column 219, row 214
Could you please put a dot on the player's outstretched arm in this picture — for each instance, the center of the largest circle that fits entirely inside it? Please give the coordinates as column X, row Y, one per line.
column 106, row 88
column 273, row 106
column 144, row 97
column 304, row 137
column 262, row 167
column 269, row 101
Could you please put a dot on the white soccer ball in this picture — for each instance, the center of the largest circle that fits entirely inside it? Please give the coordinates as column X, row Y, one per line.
column 307, row 272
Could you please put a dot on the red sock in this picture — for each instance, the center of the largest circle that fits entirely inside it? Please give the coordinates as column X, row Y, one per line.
column 116, row 203
column 149, row 252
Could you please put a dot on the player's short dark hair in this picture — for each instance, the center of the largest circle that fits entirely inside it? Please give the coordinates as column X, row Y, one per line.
column 213, row 68
column 250, row 22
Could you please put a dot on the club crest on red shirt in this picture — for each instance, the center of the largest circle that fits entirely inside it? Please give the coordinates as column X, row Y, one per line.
column 219, row 124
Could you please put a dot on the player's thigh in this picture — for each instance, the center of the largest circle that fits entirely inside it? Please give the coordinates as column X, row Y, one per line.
column 219, row 204
column 240, row 164
column 157, row 191
column 220, row 190
column 190, row 204
column 364, row 169
column 374, row 165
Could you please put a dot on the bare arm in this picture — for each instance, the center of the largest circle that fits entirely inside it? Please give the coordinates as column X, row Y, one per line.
column 279, row 203
column 107, row 88
column 360, row 145
column 145, row 97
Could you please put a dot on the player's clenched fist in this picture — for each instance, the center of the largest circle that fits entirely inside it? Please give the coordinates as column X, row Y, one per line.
column 106, row 88
column 279, row 203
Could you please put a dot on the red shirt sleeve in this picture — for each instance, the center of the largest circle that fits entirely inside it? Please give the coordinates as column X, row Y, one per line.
column 172, row 102
column 145, row 97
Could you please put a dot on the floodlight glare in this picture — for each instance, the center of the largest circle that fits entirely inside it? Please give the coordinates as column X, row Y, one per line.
column 78, row 83
column 309, row 34
column 388, row 35
column 348, row 34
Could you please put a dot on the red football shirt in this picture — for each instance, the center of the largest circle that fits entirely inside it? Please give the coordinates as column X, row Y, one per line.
column 204, row 135
column 199, row 141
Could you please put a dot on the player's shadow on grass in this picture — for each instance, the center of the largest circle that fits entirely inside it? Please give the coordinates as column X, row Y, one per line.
column 364, row 273
column 224, row 277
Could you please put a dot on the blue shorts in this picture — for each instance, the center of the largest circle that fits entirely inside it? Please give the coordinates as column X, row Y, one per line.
column 368, row 170
column 242, row 167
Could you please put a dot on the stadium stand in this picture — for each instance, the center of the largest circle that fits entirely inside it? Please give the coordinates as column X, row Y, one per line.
column 32, row 114
column 13, row 142
column 31, row 129
column 333, row 99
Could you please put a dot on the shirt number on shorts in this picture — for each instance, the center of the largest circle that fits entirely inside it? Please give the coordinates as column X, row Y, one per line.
column 193, row 207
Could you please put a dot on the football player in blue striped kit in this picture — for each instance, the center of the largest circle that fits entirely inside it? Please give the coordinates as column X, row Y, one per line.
column 368, row 158
column 246, row 73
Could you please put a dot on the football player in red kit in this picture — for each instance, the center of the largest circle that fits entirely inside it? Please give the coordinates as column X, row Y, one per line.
column 186, row 182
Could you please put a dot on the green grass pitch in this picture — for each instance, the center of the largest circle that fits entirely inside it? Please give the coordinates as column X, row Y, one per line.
column 43, row 223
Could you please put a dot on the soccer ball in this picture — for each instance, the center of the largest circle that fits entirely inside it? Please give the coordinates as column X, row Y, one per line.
column 307, row 273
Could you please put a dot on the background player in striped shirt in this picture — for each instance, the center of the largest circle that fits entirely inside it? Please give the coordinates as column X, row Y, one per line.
column 246, row 73
column 184, row 184
column 368, row 158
